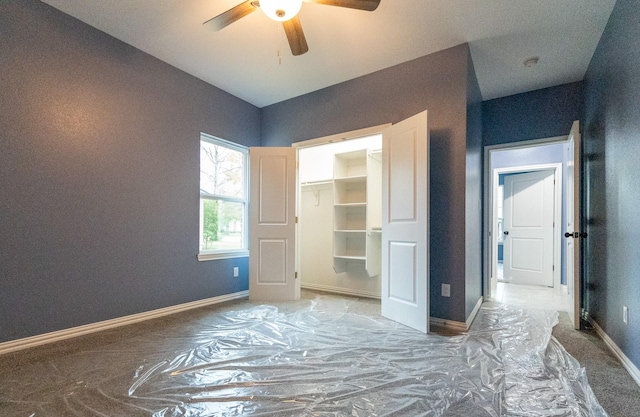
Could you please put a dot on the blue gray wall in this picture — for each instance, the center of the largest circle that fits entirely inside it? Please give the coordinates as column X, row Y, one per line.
column 612, row 148
column 99, row 208
column 537, row 114
column 99, row 175
column 608, row 104
column 436, row 82
column 473, row 192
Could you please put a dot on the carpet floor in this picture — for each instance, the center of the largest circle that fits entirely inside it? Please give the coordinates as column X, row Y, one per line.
column 29, row 378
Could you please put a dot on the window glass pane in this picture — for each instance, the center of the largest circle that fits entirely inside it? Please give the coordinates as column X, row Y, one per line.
column 222, row 225
column 221, row 170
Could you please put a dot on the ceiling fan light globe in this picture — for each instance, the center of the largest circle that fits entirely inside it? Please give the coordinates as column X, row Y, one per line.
column 280, row 10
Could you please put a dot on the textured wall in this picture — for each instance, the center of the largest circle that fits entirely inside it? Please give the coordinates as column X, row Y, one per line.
column 99, row 175
column 537, row 114
column 436, row 82
column 612, row 145
column 473, row 190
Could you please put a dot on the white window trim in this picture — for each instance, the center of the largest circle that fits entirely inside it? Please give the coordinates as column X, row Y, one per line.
column 211, row 255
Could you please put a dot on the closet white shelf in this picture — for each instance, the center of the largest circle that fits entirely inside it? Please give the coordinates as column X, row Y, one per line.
column 351, row 179
column 360, row 204
column 351, row 242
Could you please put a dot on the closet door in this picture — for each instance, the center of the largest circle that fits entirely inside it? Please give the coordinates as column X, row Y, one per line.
column 405, row 222
column 272, row 220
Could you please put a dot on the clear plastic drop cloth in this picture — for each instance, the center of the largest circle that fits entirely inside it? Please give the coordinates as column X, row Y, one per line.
column 317, row 360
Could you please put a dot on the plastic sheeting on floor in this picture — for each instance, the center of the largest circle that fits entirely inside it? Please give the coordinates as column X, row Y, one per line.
column 320, row 360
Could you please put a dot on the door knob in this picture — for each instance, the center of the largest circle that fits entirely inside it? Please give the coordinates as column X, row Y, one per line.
column 506, row 232
column 583, row 235
column 568, row 234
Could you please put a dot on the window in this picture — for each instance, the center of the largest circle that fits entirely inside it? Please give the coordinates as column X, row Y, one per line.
column 223, row 199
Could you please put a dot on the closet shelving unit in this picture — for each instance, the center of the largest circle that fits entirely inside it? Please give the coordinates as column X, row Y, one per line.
column 355, row 232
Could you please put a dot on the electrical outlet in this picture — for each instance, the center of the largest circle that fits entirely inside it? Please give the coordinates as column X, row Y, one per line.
column 446, row 290
column 625, row 314
column 235, row 272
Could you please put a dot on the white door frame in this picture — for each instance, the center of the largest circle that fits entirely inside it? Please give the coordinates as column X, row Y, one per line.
column 326, row 140
column 557, row 215
column 489, row 274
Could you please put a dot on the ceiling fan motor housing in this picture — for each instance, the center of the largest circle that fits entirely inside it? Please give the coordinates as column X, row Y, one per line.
column 281, row 10
column 284, row 11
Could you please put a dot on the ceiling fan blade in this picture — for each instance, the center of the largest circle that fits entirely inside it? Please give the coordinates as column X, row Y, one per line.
column 295, row 35
column 231, row 15
column 368, row 5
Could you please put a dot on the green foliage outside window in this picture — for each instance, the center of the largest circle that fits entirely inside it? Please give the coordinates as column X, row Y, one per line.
column 223, row 199
column 210, row 222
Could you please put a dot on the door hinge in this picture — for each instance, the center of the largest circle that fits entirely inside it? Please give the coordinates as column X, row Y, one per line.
column 296, row 275
column 296, row 219
column 553, row 268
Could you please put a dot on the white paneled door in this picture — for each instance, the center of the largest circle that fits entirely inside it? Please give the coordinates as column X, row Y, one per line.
column 405, row 223
column 528, row 228
column 272, row 217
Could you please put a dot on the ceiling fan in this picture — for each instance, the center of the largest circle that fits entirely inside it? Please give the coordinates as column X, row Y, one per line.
column 285, row 11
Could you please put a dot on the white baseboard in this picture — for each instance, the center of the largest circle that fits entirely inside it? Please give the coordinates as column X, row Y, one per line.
column 624, row 360
column 474, row 313
column 29, row 342
column 340, row 290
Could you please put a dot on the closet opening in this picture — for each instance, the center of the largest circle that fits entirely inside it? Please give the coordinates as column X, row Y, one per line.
column 339, row 208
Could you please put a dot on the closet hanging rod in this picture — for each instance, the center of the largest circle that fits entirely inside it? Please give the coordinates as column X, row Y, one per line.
column 320, row 182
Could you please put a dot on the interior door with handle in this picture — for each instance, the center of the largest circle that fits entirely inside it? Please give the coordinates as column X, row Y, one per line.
column 528, row 228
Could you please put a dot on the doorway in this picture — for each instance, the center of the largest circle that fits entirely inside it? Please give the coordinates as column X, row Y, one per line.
column 526, row 213
column 526, row 161
column 335, row 209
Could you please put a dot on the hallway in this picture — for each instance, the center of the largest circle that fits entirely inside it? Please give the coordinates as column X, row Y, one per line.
column 531, row 296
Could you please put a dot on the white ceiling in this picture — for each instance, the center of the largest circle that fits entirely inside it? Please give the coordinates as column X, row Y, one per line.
column 251, row 58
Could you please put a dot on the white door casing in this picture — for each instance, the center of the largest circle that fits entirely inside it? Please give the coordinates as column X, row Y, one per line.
column 528, row 227
column 573, row 224
column 272, row 219
column 405, row 223
column 569, row 225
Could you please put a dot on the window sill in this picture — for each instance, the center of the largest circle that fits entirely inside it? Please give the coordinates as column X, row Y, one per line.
column 225, row 255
